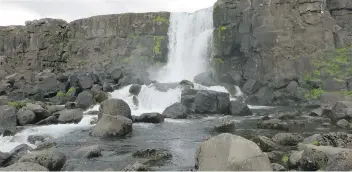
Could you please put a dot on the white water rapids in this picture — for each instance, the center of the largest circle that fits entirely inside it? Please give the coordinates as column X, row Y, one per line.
column 190, row 45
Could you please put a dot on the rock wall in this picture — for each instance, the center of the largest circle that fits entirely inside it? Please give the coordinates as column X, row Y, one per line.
column 270, row 43
column 90, row 43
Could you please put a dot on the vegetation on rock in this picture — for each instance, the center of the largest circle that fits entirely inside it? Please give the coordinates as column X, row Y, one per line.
column 18, row 104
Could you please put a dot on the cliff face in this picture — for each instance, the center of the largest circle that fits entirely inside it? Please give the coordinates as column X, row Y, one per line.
column 90, row 43
column 270, row 44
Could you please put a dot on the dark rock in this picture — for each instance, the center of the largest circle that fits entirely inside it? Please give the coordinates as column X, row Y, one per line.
column 96, row 88
column 185, row 84
column 81, row 80
column 55, row 108
column 88, row 152
column 275, row 156
column 343, row 123
column 48, row 121
column 227, row 152
column 8, row 119
column 3, row 158
column 16, row 154
column 278, row 167
column 175, row 111
column 225, row 126
column 211, row 102
column 206, row 79
column 116, row 75
column 39, row 111
column 164, row 87
column 135, row 89
column 341, row 110
column 289, row 115
column 100, row 96
column 63, row 77
column 264, row 96
column 48, row 86
column 115, row 107
column 45, row 145
column 70, row 116
column 333, row 139
column 53, row 160
column 232, row 78
column 316, row 112
column 289, row 139
column 154, row 156
column 33, row 139
column 94, row 120
column 24, row 166
column 238, row 108
column 84, row 100
column 150, row 118
column 25, row 117
column 266, row 118
column 71, row 105
column 107, row 86
column 187, row 99
column 266, row 144
column 112, row 126
column 137, row 166
column 273, row 124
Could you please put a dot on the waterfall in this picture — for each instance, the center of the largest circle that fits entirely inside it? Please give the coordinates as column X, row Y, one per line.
column 189, row 45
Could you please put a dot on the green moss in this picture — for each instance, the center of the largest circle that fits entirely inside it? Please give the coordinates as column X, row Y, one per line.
column 60, row 94
column 157, row 47
column 284, row 159
column 160, row 19
column 316, row 143
column 314, row 93
column 71, row 91
column 133, row 36
column 217, row 61
column 220, row 31
column 18, row 104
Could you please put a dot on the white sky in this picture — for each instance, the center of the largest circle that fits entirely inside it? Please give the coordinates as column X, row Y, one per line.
column 16, row 12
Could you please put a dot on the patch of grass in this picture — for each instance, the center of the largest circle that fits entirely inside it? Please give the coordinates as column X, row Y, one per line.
column 220, row 30
column 18, row 104
column 316, row 143
column 60, row 94
column 284, row 159
column 133, row 36
column 160, row 19
column 157, row 47
column 217, row 61
column 314, row 93
column 71, row 91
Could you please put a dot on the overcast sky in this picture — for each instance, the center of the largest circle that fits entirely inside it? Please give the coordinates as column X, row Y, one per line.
column 16, row 12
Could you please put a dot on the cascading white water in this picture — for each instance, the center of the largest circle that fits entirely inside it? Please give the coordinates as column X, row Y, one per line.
column 189, row 37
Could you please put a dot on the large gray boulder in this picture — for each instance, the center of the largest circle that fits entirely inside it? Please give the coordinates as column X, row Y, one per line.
column 237, row 108
column 227, row 152
column 334, row 139
column 81, row 80
column 288, row 139
column 52, row 160
column 8, row 119
column 341, row 161
column 84, row 100
column 211, row 102
column 112, row 126
column 25, row 117
column 16, row 154
column 175, row 111
column 341, row 110
column 88, row 152
column 48, row 121
column 115, row 107
column 206, row 79
column 3, row 157
column 38, row 110
column 150, row 118
column 24, row 166
column 266, row 144
column 70, row 116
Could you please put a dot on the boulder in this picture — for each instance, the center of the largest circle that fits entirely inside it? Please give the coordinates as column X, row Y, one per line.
column 150, row 118
column 342, row 123
column 164, row 87
column 100, row 96
column 88, row 152
column 115, row 107
column 237, row 108
column 175, row 111
column 71, row 105
column 227, row 152
column 8, row 119
column 187, row 98
column 341, row 110
column 24, row 166
column 39, row 111
column 341, row 161
column 250, row 86
column 48, row 121
column 84, row 100
column 81, row 80
column 55, row 108
column 52, row 160
column 153, row 156
column 107, row 86
column 3, row 158
column 93, row 120
column 135, row 101
column 45, row 145
column 137, row 166
column 334, row 139
column 206, row 79
column 273, row 124
column 294, row 159
column 276, row 156
column 225, row 126
column 16, row 153
column 112, row 126
column 278, row 167
column 316, row 112
column 25, row 117
column 288, row 139
column 266, row 144
column 33, row 139
column 185, row 84
column 115, row 75
column 135, row 89
column 70, row 116
column 48, row 86
column 211, row 102
column 96, row 88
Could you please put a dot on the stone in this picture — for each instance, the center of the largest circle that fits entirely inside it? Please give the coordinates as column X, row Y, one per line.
column 112, row 126
column 137, row 166
column 88, row 152
column 288, row 139
column 8, row 120
column 153, row 156
column 35, row 138
column 341, row 110
column 48, row 121
column 71, row 105
column 273, row 124
column 205, row 79
column 115, row 107
column 227, row 152
column 250, row 86
column 38, row 110
column 70, row 116
column 55, row 108
column 276, row 156
column 96, row 88
column 150, row 118
column 185, row 84
column 266, row 144
column 3, row 157
column 84, row 100
column 211, row 102
column 107, row 86
column 16, row 153
column 53, row 160
column 4, row 100
column 316, row 112
column 278, row 167
column 342, row 123
column 116, row 75
column 100, row 96
column 340, row 162
column 334, row 139
column 24, row 166
column 25, row 117
column 225, row 126
column 175, row 111
column 294, row 159
column 81, row 80
column 237, row 108
column 135, row 89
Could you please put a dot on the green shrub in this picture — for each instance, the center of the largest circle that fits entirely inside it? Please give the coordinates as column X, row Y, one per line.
column 316, row 143
column 314, row 93
column 18, row 104
column 284, row 159
column 71, row 91
column 60, row 94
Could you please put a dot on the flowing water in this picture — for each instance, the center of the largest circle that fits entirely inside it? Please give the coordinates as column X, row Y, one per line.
column 189, row 48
